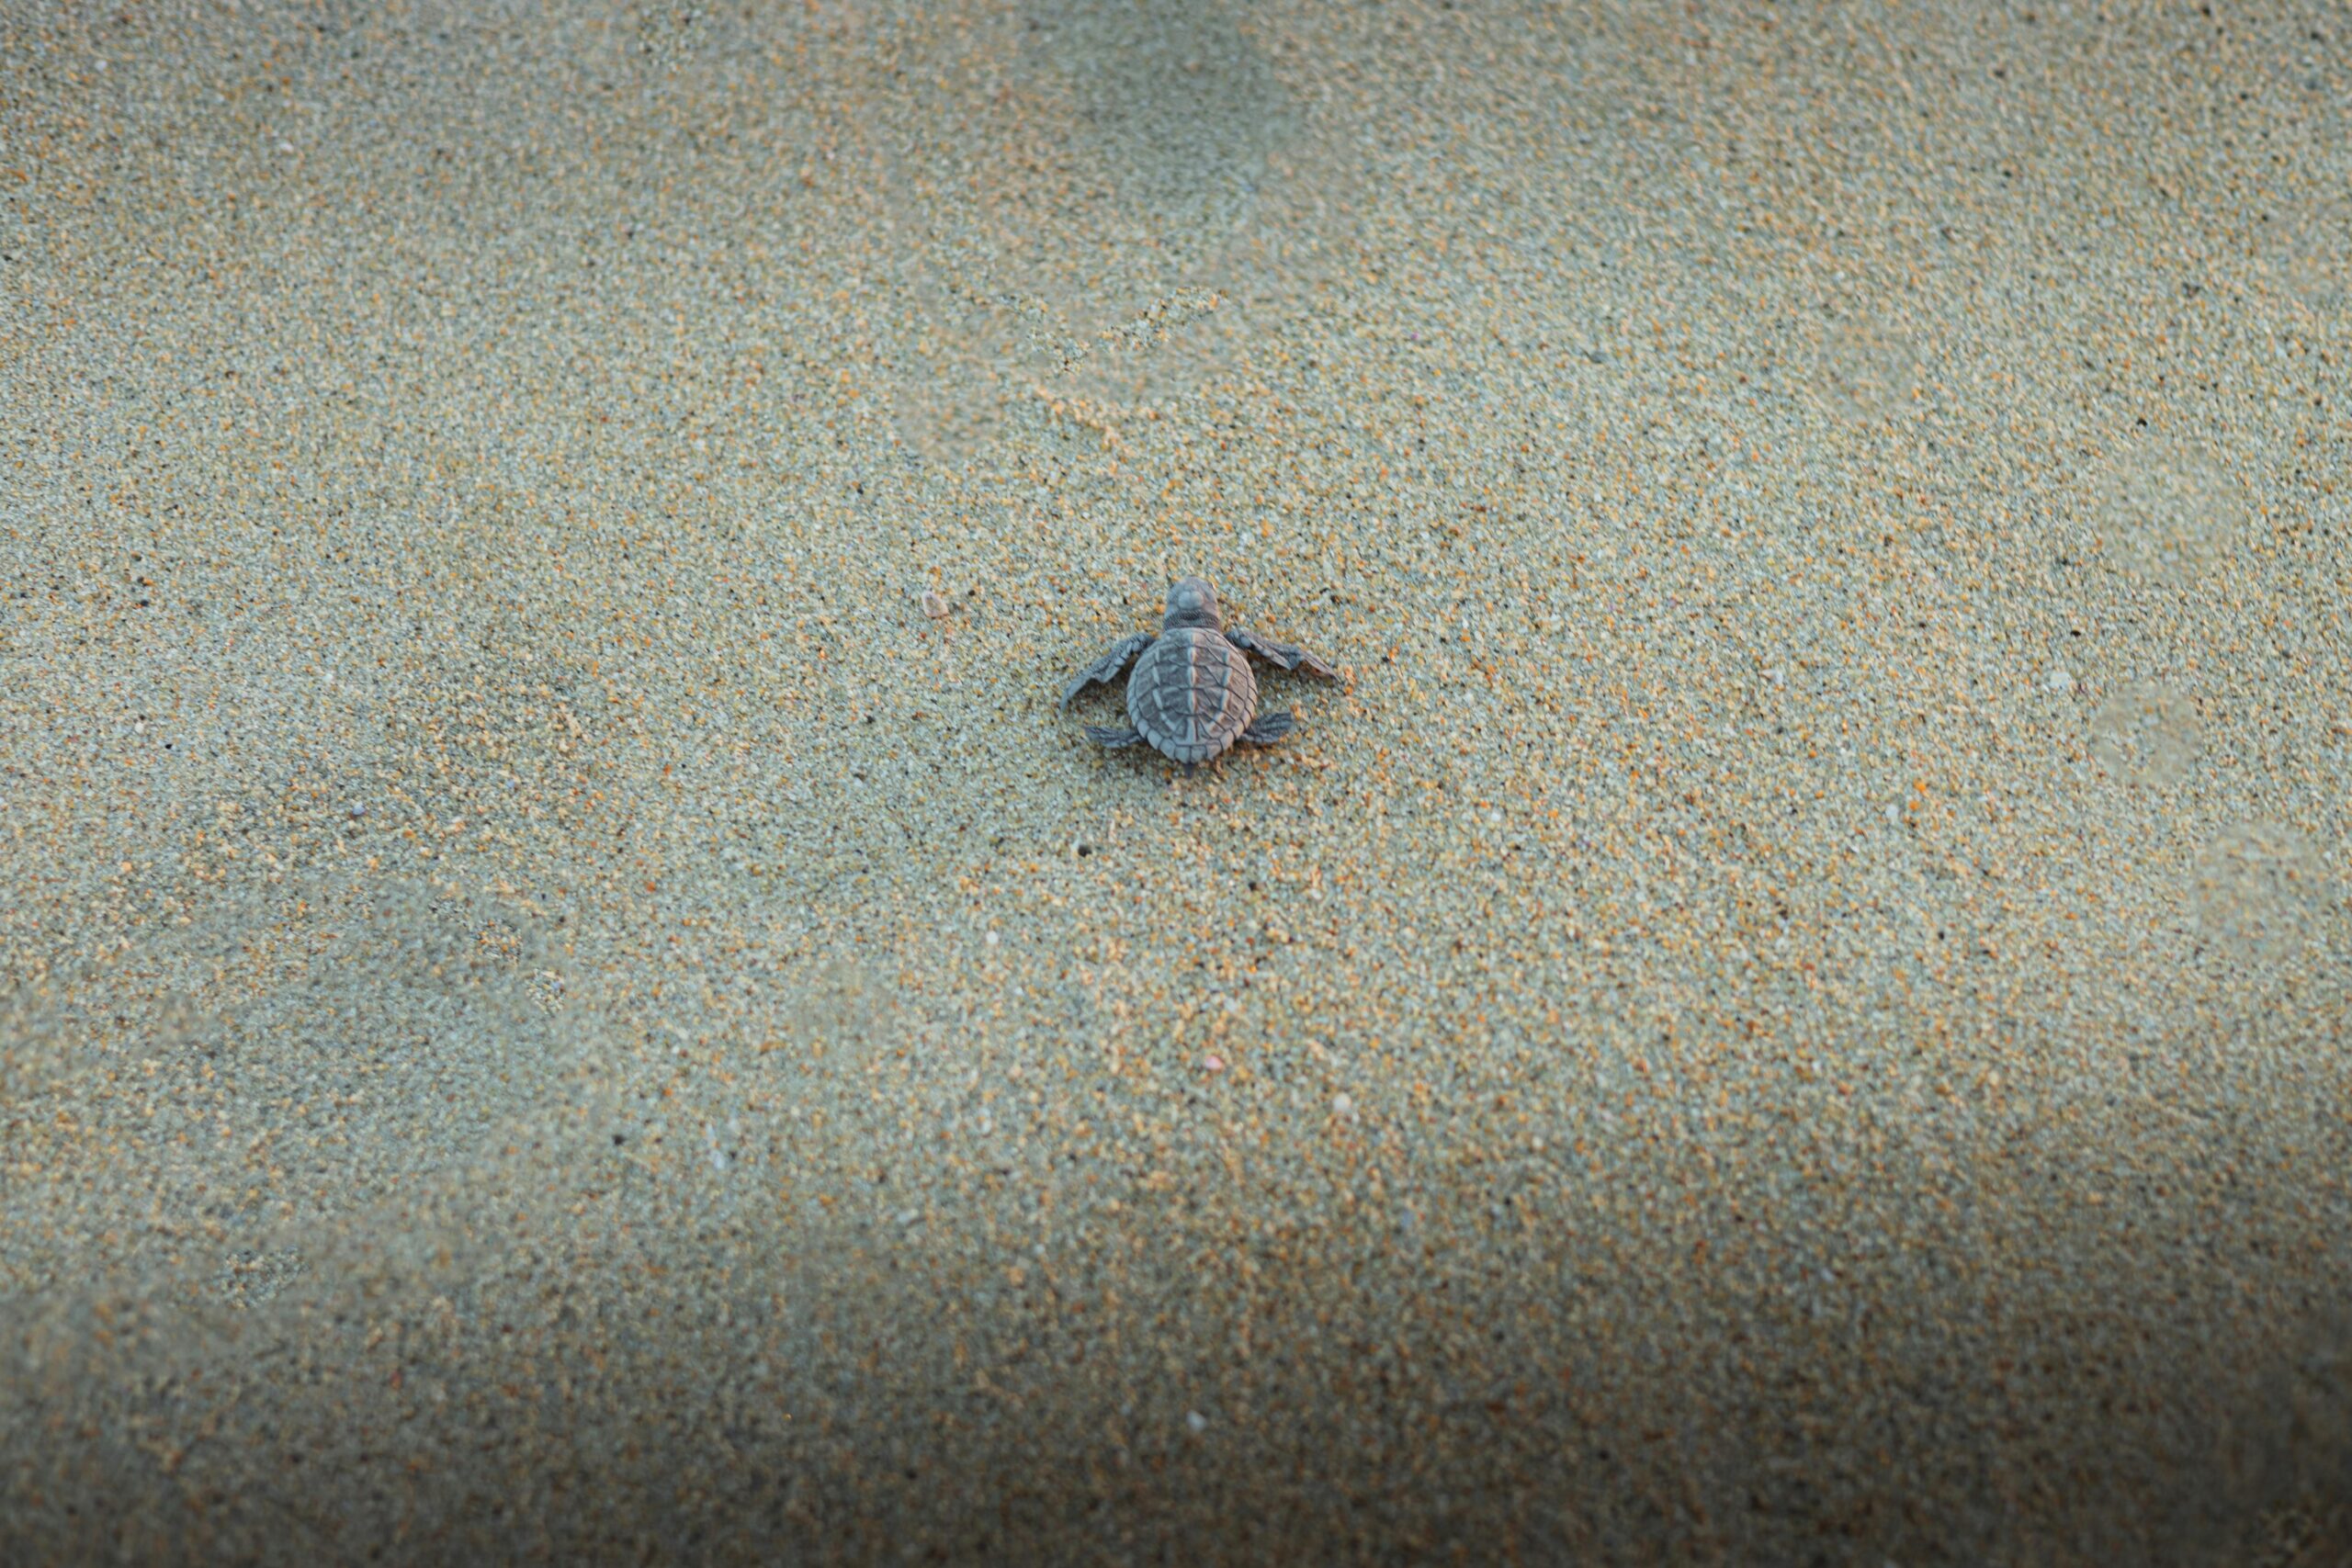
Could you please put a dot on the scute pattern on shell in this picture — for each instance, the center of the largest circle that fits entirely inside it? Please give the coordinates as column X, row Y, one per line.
column 1192, row 694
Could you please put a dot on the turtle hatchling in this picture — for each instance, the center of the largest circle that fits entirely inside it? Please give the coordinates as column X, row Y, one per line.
column 1192, row 694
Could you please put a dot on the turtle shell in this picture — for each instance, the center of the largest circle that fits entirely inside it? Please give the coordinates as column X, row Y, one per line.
column 1192, row 694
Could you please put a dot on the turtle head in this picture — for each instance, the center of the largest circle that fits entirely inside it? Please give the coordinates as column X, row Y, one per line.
column 1193, row 603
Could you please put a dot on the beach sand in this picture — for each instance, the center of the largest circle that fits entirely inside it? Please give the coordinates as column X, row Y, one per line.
column 569, row 994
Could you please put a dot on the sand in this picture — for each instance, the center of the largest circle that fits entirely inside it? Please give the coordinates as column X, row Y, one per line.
column 567, row 994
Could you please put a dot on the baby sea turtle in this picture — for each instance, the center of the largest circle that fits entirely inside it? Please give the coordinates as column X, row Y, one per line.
column 1193, row 694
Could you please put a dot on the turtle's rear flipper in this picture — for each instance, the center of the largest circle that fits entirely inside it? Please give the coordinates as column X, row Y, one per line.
column 1103, row 736
column 1269, row 727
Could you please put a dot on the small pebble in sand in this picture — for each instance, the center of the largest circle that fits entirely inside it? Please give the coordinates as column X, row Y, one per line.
column 1196, row 1421
column 933, row 604
column 1343, row 1105
column 1213, row 1063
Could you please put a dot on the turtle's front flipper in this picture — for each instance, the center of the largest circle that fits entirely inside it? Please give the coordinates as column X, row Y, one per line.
column 1110, row 665
column 1103, row 737
column 1269, row 727
column 1287, row 656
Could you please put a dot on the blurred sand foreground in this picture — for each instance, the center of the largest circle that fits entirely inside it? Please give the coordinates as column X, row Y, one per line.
column 1793, row 1009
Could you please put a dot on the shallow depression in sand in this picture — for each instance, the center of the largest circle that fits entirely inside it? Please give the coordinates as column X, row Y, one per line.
column 2260, row 891
column 2145, row 733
